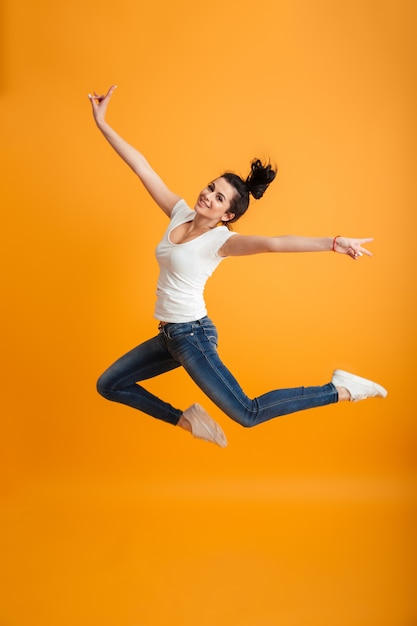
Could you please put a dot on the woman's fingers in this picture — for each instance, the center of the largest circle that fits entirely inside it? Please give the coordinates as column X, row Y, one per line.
column 356, row 253
column 355, row 249
column 110, row 91
column 360, row 250
column 363, row 251
column 96, row 98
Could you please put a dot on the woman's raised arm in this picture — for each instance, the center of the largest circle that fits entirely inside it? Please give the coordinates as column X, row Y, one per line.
column 164, row 197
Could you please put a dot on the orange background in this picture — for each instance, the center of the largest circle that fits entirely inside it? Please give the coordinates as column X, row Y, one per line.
column 107, row 516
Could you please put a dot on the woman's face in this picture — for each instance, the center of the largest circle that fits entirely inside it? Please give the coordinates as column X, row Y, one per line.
column 215, row 200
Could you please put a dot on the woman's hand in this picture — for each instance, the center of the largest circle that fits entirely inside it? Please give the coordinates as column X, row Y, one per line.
column 100, row 104
column 352, row 247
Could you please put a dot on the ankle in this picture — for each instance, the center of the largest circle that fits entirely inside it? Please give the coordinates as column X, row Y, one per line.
column 184, row 423
column 344, row 394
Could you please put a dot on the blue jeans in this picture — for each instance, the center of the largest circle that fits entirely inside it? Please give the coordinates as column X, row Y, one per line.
column 193, row 345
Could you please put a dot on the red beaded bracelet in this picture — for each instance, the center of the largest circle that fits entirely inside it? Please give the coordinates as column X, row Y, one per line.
column 334, row 243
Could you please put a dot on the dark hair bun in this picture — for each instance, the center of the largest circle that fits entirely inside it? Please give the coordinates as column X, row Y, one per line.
column 259, row 178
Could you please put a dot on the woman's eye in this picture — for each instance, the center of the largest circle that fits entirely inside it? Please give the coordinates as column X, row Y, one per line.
column 220, row 198
column 210, row 187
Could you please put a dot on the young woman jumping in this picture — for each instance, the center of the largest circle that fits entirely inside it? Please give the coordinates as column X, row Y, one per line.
column 193, row 245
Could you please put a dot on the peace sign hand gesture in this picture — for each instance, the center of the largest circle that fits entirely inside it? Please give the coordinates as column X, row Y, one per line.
column 351, row 247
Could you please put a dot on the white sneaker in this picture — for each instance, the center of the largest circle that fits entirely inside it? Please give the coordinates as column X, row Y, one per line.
column 203, row 426
column 359, row 388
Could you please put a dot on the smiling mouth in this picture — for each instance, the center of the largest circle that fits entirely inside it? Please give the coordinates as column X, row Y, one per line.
column 204, row 203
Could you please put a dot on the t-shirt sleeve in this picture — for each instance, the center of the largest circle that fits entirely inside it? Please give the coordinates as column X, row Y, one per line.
column 181, row 210
column 222, row 235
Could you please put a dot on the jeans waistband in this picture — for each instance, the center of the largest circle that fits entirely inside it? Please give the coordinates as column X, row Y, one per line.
column 167, row 327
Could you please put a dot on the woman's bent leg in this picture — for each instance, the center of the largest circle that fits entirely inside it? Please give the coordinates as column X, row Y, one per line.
column 149, row 359
column 196, row 351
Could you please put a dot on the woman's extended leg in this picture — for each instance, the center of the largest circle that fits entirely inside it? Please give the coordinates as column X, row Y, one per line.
column 194, row 345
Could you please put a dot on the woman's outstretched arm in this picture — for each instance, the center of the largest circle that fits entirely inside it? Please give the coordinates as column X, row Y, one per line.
column 156, row 187
column 241, row 245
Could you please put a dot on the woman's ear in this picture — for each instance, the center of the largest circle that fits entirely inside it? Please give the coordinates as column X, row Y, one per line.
column 228, row 216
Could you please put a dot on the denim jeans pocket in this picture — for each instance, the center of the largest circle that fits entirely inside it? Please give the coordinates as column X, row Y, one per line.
column 210, row 333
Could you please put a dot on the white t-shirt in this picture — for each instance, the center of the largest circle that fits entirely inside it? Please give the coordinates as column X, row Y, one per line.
column 185, row 268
